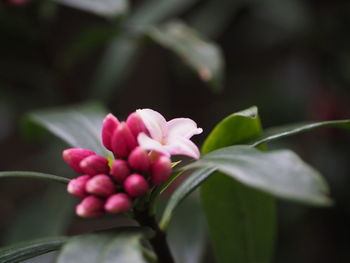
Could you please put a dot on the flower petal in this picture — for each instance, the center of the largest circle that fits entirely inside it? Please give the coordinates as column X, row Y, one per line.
column 150, row 144
column 182, row 127
column 154, row 122
column 182, row 146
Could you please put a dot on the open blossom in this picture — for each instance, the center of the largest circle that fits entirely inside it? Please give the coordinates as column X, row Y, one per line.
column 111, row 185
column 168, row 138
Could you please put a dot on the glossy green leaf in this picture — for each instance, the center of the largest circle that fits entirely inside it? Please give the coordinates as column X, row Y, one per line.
column 34, row 175
column 119, row 245
column 186, row 188
column 241, row 220
column 281, row 173
column 276, row 133
column 234, row 129
column 107, row 8
column 26, row 250
column 187, row 234
column 203, row 56
column 79, row 126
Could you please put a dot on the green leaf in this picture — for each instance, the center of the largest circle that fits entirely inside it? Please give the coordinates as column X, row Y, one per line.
column 153, row 11
column 203, row 56
column 55, row 205
column 187, row 187
column 86, row 42
column 234, row 129
column 187, row 234
column 115, row 66
column 34, row 175
column 280, row 173
column 241, row 220
column 276, row 133
column 212, row 17
column 119, row 245
column 26, row 250
column 79, row 126
column 106, row 8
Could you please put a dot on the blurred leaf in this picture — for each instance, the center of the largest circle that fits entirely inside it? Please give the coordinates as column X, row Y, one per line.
column 122, row 53
column 119, row 245
column 107, row 8
column 276, row 133
column 153, row 11
column 86, row 42
column 79, row 126
column 187, row 187
column 35, row 175
column 26, row 250
column 115, row 65
column 203, row 56
column 241, row 220
column 281, row 173
column 187, row 234
column 55, row 207
column 212, row 17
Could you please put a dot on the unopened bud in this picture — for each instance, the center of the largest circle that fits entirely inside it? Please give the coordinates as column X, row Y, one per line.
column 136, row 185
column 110, row 124
column 118, row 203
column 120, row 170
column 136, row 124
column 73, row 157
column 101, row 185
column 77, row 186
column 90, row 207
column 123, row 142
column 139, row 160
column 161, row 170
column 94, row 164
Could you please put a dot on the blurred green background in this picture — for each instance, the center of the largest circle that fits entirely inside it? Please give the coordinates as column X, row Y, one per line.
column 290, row 58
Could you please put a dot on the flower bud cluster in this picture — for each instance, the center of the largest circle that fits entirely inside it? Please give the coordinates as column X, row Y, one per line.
column 111, row 186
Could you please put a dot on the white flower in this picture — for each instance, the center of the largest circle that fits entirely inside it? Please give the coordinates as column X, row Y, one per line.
column 168, row 138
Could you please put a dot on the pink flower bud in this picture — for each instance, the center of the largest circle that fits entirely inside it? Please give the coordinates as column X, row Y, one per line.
column 110, row 124
column 77, row 186
column 136, row 124
column 73, row 157
column 136, row 185
column 118, row 203
column 94, row 164
column 101, row 185
column 120, row 170
column 90, row 207
column 123, row 142
column 139, row 160
column 161, row 170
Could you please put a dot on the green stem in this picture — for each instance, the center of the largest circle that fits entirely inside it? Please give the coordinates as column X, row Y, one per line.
column 158, row 242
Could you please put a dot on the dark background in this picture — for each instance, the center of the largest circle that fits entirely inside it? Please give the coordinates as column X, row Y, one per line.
column 290, row 58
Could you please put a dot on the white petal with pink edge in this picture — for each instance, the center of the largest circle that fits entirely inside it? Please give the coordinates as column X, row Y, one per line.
column 154, row 122
column 182, row 127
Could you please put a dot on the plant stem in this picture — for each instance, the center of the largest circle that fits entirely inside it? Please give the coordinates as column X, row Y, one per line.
column 158, row 242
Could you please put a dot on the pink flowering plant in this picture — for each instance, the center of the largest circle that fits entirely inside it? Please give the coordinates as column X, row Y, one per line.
column 122, row 168
column 142, row 147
